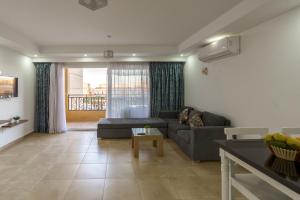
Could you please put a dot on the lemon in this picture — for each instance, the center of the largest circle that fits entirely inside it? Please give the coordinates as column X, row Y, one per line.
column 268, row 138
column 293, row 142
column 280, row 137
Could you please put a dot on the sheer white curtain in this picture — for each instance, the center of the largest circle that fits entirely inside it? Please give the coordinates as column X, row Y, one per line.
column 128, row 91
column 57, row 113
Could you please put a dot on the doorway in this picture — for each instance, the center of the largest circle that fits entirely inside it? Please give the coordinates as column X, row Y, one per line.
column 85, row 94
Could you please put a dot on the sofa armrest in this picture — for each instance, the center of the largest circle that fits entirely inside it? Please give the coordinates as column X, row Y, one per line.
column 203, row 141
column 168, row 114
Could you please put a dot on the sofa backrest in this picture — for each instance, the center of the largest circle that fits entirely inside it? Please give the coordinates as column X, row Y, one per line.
column 210, row 119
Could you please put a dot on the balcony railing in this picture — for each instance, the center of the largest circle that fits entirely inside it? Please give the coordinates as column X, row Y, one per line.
column 86, row 102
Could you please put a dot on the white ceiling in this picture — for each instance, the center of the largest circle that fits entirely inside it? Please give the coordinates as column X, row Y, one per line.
column 63, row 30
column 130, row 22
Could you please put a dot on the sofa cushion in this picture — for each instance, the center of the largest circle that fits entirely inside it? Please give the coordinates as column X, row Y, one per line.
column 192, row 113
column 196, row 121
column 174, row 126
column 210, row 119
column 116, row 123
column 184, row 135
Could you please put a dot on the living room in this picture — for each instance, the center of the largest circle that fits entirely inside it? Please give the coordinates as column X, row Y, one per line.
column 193, row 100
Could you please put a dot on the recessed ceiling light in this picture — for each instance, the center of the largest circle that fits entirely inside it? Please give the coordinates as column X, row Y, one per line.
column 181, row 55
column 85, row 55
column 35, row 55
column 134, row 54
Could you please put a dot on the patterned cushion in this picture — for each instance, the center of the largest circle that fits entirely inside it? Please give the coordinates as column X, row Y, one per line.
column 195, row 121
column 184, row 116
column 192, row 113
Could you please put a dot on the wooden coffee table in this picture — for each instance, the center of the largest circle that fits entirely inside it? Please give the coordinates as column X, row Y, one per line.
column 152, row 134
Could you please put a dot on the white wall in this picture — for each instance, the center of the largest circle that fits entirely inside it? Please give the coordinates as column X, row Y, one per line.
column 14, row 64
column 260, row 87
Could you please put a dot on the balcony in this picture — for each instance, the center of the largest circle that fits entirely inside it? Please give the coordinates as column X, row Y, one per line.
column 86, row 102
column 85, row 108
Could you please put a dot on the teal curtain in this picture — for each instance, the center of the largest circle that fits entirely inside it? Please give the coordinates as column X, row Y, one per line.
column 41, row 123
column 167, row 86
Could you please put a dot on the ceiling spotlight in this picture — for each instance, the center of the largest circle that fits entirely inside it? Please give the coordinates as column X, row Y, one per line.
column 181, row 55
column 85, row 55
column 134, row 54
column 93, row 4
column 35, row 55
column 108, row 54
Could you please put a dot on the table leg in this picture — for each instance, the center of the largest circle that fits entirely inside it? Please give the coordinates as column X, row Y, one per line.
column 155, row 143
column 161, row 147
column 231, row 173
column 132, row 142
column 225, row 175
column 136, row 147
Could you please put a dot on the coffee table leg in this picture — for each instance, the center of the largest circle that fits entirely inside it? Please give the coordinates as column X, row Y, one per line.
column 132, row 142
column 161, row 147
column 136, row 147
column 155, row 143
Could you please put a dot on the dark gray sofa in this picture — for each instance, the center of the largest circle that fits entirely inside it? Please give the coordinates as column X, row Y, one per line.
column 112, row 128
column 197, row 143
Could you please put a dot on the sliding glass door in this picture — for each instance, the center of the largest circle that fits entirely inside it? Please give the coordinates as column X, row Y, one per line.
column 128, row 93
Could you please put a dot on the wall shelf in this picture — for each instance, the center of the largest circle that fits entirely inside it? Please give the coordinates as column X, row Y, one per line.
column 7, row 124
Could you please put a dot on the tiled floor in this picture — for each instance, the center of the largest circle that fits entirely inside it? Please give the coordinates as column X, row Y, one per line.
column 76, row 166
column 87, row 126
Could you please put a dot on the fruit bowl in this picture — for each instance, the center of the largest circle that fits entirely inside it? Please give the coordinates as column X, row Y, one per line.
column 284, row 146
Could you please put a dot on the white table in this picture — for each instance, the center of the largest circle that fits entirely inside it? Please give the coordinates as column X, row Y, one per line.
column 262, row 182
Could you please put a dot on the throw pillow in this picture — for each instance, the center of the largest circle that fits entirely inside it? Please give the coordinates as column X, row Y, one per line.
column 184, row 116
column 196, row 121
column 192, row 113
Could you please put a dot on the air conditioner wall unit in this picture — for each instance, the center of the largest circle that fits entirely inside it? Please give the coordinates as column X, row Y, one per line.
column 226, row 47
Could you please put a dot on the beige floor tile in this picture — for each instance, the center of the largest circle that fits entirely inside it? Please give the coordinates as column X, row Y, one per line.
column 49, row 190
column 145, row 171
column 70, row 158
column 77, row 165
column 91, row 171
column 91, row 189
column 62, row 172
column 44, row 159
column 195, row 187
column 180, row 171
column 154, row 189
column 120, row 171
column 78, row 148
column 57, row 149
column 18, row 190
column 15, row 194
column 120, row 189
column 32, row 173
column 95, row 158
column 15, row 160
column 98, row 148
column 208, row 168
column 82, row 141
column 7, row 172
column 120, row 156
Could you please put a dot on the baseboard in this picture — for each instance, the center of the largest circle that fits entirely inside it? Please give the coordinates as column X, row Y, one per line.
column 15, row 141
